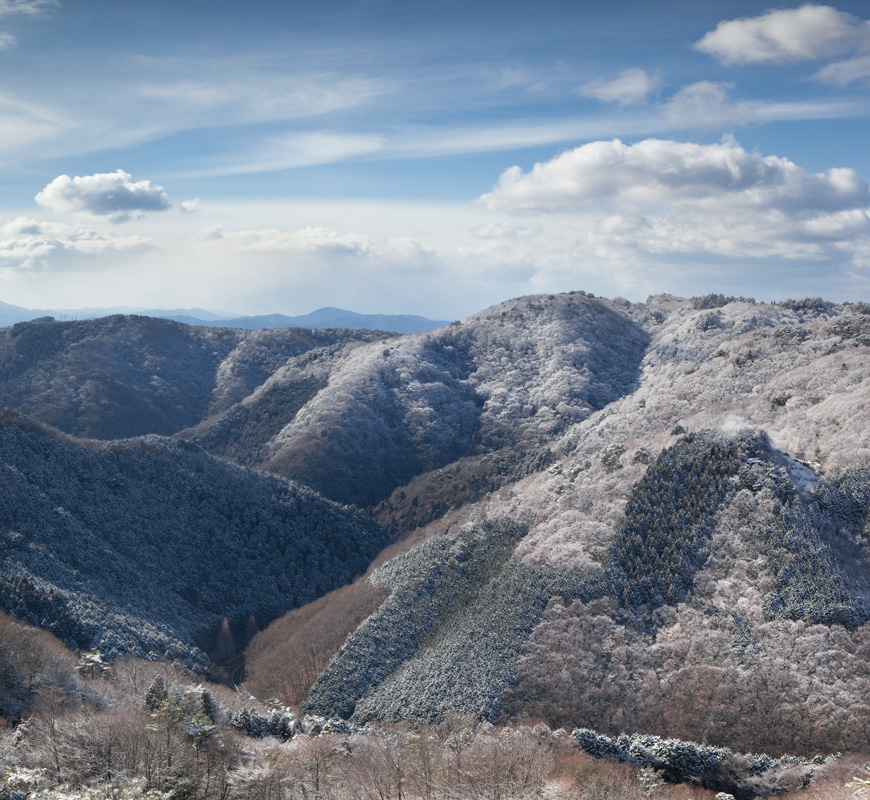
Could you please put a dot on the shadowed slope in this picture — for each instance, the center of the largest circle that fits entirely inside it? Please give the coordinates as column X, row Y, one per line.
column 142, row 545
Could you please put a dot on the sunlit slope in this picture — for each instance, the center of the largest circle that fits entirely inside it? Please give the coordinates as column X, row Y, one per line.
column 507, row 380
column 685, row 536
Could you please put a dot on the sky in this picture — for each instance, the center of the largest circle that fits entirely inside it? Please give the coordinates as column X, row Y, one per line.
column 431, row 157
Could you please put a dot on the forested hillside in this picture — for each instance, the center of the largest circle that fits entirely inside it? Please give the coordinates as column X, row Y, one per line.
column 692, row 560
column 131, row 729
column 625, row 516
column 144, row 546
column 506, row 381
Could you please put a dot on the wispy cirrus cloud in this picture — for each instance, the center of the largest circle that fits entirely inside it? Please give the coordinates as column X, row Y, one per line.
column 631, row 87
column 247, row 92
column 842, row 73
column 26, row 8
column 287, row 151
column 22, row 8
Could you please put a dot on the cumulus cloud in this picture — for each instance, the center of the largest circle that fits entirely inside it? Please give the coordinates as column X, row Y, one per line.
column 28, row 243
column 653, row 171
column 809, row 33
column 631, row 87
column 110, row 194
column 6, row 40
column 663, row 198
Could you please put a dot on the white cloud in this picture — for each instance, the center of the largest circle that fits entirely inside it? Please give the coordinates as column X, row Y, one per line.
column 26, row 242
column 26, row 8
column 654, row 171
column 246, row 92
column 505, row 231
column 321, row 241
column 22, row 8
column 664, row 198
column 442, row 260
column 190, row 206
column 811, row 32
column 108, row 194
column 631, row 87
column 290, row 151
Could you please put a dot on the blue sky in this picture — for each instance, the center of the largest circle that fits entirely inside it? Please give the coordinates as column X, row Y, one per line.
column 430, row 157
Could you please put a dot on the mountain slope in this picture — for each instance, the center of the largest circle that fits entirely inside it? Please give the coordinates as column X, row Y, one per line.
column 626, row 510
column 462, row 606
column 677, row 565
column 144, row 545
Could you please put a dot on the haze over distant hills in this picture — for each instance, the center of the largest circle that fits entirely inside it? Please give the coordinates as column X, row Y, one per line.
column 321, row 318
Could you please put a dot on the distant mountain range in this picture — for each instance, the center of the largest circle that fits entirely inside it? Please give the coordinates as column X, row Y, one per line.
column 322, row 318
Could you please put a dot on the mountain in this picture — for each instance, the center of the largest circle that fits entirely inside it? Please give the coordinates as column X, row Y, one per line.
column 322, row 318
column 504, row 383
column 626, row 516
column 10, row 314
column 692, row 560
column 144, row 545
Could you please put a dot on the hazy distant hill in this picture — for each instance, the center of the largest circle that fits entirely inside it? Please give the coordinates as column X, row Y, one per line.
column 145, row 545
column 10, row 314
column 322, row 318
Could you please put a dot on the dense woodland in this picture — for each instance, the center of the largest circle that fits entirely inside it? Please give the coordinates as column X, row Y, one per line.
column 146, row 545
column 566, row 513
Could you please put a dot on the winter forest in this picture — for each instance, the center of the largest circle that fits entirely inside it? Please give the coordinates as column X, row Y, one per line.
column 568, row 547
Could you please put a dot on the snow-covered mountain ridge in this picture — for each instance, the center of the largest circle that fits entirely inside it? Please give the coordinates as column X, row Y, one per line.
column 623, row 507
